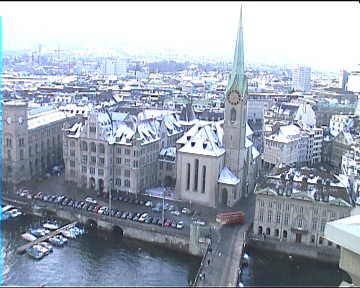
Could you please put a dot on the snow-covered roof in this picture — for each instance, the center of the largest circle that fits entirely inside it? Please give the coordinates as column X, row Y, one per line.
column 255, row 152
column 169, row 151
column 203, row 140
column 306, row 115
column 227, row 177
column 46, row 118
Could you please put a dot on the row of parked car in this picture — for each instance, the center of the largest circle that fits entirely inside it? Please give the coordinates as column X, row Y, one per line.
column 91, row 205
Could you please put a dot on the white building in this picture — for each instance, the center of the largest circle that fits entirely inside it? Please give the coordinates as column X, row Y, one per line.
column 301, row 78
column 114, row 67
column 293, row 145
column 343, row 79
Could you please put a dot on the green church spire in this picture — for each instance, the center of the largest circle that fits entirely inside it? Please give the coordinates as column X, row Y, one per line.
column 237, row 77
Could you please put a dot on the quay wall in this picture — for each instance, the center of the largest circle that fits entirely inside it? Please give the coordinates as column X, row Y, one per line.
column 330, row 255
column 165, row 237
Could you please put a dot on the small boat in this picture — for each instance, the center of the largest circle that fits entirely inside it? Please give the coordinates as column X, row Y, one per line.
column 14, row 213
column 62, row 238
column 47, row 246
column 28, row 237
column 42, row 249
column 7, row 208
column 68, row 234
column 35, row 253
column 39, row 232
column 56, row 242
column 51, row 226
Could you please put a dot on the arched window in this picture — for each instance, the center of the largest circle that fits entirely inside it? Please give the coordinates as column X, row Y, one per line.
column 101, row 148
column 284, row 234
column 260, row 230
column 267, row 231
column 84, row 146
column 203, row 179
column 233, row 115
column 187, row 176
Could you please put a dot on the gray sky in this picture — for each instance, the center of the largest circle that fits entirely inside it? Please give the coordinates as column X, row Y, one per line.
column 320, row 34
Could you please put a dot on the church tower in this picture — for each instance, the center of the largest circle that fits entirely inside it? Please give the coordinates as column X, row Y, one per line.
column 236, row 111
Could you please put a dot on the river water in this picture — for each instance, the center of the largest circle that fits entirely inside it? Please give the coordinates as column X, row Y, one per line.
column 97, row 259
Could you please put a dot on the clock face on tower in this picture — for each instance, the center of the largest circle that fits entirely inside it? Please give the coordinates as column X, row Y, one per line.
column 234, row 97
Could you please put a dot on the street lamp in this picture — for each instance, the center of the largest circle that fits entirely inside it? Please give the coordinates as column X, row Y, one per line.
column 163, row 207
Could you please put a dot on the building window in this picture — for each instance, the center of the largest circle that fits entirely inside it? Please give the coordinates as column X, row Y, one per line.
column 314, row 224
column 278, row 217
column 101, row 172
column 83, row 169
column 72, row 153
column 21, row 154
column 269, row 216
column 117, row 171
column 300, row 223
column 118, row 181
column 127, row 151
column 8, row 142
column 322, row 226
column 316, row 211
column 196, row 173
column 286, row 219
column 72, row 143
column 261, row 216
column 312, row 238
column 84, row 159
column 72, row 163
column 233, row 115
column 329, row 243
column 92, row 170
column 101, row 148
column 168, row 166
column 92, row 129
column 161, row 165
column 127, row 162
column 320, row 240
column 287, row 207
column 92, row 147
column 21, row 142
column 262, row 203
column 118, row 150
column 92, row 159
column 279, row 206
column 101, row 161
column 127, row 183
column 301, row 210
column 127, row 173
column 118, row 160
column 276, row 234
column 187, row 176
column 84, row 146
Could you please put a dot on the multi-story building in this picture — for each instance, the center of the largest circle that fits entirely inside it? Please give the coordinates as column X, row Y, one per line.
column 295, row 205
column 343, row 79
column 32, row 141
column 301, row 78
column 114, row 67
column 293, row 145
column 111, row 151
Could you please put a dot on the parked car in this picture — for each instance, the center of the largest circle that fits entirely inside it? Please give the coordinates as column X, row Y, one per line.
column 185, row 211
column 199, row 222
column 148, row 220
column 124, row 215
column 143, row 217
column 90, row 200
column 167, row 223
column 173, row 224
column 118, row 214
column 176, row 212
column 156, row 209
column 130, row 216
column 180, row 225
column 148, row 204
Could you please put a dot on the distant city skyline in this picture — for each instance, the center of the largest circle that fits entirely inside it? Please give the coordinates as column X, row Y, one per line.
column 317, row 34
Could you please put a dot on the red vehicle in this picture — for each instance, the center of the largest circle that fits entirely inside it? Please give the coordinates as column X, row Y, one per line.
column 231, row 218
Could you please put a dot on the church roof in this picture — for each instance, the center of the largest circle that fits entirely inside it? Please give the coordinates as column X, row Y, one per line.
column 226, row 177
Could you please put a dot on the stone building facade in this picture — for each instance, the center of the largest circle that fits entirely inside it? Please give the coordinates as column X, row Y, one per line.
column 111, row 151
column 32, row 143
column 294, row 210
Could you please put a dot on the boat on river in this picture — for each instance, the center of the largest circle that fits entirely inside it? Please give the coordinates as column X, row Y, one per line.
column 28, row 237
column 39, row 232
column 35, row 252
column 51, row 226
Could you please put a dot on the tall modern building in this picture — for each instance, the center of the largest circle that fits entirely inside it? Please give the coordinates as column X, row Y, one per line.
column 343, row 79
column 301, row 79
column 114, row 67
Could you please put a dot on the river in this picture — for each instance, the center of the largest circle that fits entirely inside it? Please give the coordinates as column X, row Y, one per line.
column 97, row 259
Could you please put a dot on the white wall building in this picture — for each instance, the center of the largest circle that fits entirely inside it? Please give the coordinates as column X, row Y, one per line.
column 301, row 78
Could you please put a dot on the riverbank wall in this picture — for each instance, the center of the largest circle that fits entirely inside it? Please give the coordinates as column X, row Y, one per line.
column 323, row 254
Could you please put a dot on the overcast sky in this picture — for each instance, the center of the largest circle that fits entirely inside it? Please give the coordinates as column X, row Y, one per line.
column 319, row 34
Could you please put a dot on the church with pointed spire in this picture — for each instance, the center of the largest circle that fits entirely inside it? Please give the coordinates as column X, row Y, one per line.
column 217, row 162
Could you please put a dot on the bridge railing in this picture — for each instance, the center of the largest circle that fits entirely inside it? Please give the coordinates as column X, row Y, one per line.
column 201, row 265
